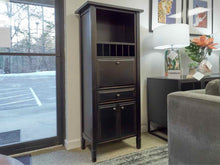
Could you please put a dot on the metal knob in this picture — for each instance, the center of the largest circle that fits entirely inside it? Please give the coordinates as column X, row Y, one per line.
column 122, row 108
column 117, row 62
column 118, row 95
column 114, row 109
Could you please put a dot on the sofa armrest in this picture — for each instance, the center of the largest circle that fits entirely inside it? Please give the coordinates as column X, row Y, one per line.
column 199, row 91
column 193, row 128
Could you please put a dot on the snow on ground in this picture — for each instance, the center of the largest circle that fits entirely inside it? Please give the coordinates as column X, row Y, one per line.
column 43, row 73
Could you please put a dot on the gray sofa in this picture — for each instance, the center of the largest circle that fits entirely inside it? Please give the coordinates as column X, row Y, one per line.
column 193, row 128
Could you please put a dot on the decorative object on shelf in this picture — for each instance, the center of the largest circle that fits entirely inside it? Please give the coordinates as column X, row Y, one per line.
column 192, row 69
column 199, row 16
column 172, row 64
column 165, row 12
column 198, row 50
column 169, row 37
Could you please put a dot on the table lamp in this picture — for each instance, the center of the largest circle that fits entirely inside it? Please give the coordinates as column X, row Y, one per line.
column 170, row 38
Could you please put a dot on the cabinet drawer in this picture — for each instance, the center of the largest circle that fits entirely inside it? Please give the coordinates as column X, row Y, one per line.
column 116, row 72
column 115, row 95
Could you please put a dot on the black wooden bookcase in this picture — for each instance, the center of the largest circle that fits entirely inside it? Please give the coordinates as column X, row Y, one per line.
column 110, row 74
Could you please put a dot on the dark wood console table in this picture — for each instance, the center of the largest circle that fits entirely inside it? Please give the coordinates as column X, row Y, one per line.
column 157, row 90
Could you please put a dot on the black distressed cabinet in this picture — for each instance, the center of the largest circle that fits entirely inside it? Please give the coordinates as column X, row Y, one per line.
column 110, row 59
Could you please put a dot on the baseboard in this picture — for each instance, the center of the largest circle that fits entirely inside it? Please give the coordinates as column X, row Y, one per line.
column 143, row 128
column 72, row 144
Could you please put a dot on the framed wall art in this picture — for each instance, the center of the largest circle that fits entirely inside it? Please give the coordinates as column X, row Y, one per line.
column 199, row 15
column 165, row 12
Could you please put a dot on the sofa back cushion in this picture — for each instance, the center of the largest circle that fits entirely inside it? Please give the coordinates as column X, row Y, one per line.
column 213, row 87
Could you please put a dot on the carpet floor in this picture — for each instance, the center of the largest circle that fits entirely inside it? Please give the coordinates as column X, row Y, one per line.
column 60, row 156
column 26, row 159
column 154, row 156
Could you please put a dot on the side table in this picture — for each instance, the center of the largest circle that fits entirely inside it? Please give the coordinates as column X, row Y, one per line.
column 157, row 90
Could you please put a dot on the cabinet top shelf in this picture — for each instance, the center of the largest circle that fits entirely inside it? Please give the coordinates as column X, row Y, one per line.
column 97, row 4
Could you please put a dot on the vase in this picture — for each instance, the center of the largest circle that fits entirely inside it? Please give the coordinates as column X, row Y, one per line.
column 203, row 68
column 192, row 71
column 172, row 63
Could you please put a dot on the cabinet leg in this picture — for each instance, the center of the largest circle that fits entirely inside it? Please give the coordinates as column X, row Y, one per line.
column 83, row 143
column 93, row 152
column 138, row 142
column 148, row 127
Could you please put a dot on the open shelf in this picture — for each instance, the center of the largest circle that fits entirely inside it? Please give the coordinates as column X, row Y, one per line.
column 104, row 49
column 115, row 26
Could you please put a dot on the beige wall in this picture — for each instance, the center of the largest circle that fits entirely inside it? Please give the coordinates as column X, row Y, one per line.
column 152, row 63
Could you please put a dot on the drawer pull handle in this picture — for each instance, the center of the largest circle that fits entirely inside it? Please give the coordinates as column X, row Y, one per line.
column 114, row 109
column 122, row 108
column 117, row 62
column 118, row 95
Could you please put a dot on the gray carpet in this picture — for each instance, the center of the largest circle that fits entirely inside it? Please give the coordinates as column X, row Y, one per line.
column 26, row 159
column 154, row 156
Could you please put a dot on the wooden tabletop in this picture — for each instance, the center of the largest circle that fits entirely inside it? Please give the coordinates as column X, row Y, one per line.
column 6, row 160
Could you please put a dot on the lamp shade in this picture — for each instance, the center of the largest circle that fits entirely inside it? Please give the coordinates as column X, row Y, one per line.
column 216, row 37
column 5, row 37
column 171, row 36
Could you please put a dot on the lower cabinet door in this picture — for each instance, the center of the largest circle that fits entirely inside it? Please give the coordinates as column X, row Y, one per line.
column 128, row 118
column 108, row 117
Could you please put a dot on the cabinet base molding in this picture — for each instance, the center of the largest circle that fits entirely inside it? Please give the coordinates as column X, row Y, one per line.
column 72, row 144
column 143, row 128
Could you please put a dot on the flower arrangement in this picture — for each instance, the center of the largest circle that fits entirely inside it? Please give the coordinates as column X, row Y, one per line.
column 200, row 47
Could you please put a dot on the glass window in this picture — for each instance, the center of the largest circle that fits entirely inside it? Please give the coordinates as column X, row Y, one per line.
column 32, row 26
column 28, row 105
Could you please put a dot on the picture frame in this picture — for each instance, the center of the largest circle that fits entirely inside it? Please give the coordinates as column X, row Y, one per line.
column 165, row 12
column 199, row 16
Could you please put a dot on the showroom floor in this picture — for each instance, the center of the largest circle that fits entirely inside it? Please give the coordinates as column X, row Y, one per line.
column 59, row 155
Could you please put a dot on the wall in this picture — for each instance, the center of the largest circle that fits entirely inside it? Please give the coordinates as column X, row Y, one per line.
column 152, row 63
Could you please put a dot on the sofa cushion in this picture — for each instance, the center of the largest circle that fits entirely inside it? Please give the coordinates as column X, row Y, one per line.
column 213, row 87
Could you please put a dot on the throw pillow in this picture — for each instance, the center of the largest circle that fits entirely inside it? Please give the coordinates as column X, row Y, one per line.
column 213, row 87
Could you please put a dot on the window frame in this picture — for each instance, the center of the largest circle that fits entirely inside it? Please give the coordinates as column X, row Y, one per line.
column 60, row 86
